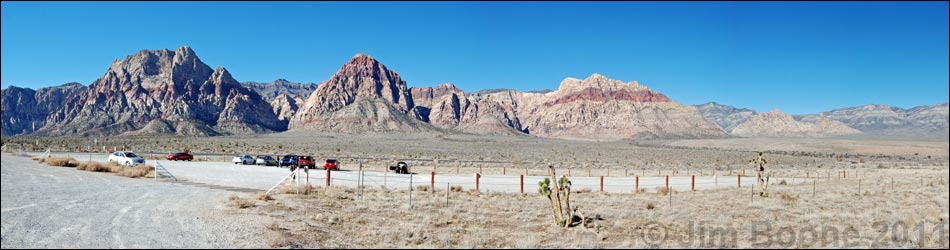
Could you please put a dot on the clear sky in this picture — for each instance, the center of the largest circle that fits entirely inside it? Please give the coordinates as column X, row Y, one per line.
column 800, row 57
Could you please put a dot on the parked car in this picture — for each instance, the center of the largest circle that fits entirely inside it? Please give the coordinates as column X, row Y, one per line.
column 288, row 160
column 243, row 159
column 266, row 160
column 306, row 162
column 126, row 158
column 400, row 168
column 179, row 157
column 330, row 164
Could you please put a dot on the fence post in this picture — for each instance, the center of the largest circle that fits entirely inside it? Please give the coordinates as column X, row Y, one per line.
column 522, row 184
column 447, row 191
column 478, row 178
column 504, row 170
column 739, row 177
column 385, row 175
column 601, row 183
column 636, row 188
column 668, row 183
column 328, row 177
column 433, row 181
column 814, row 188
column 694, row 184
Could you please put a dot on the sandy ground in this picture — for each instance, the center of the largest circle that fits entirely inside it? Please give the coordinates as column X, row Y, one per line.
column 54, row 207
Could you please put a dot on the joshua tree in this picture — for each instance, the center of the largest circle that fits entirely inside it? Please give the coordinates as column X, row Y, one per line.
column 544, row 188
column 566, row 188
column 763, row 180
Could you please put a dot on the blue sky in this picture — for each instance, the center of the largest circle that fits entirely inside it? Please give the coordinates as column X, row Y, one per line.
column 800, row 57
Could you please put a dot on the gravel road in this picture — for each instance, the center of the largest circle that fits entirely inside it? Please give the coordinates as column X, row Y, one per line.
column 54, row 207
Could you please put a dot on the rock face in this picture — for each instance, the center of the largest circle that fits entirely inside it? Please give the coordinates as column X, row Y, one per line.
column 285, row 97
column 593, row 108
column 362, row 96
column 25, row 110
column 272, row 90
column 727, row 117
column 778, row 124
column 923, row 121
column 603, row 108
column 164, row 92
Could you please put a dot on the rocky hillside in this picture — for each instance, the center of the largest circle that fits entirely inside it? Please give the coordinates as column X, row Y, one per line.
column 164, row 92
column 271, row 90
column 363, row 95
column 887, row 120
column 727, row 117
column 593, row 108
column 25, row 110
column 778, row 124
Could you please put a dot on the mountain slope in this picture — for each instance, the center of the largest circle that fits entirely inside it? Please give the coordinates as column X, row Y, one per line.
column 727, row 117
column 25, row 110
column 363, row 95
column 162, row 92
column 778, row 124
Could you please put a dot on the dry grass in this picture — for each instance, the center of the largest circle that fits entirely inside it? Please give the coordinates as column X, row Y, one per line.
column 237, row 202
column 264, row 197
column 383, row 219
column 92, row 166
column 59, row 161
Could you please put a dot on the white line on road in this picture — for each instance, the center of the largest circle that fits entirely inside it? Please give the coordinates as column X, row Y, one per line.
column 17, row 208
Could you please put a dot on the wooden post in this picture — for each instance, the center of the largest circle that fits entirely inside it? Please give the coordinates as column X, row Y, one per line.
column 846, row 174
column 694, row 184
column 601, row 184
column 385, row 174
column 668, row 183
column 625, row 173
column 504, row 171
column 814, row 188
column 433, row 181
column 328, row 177
column 478, row 178
column 636, row 188
column 522, row 184
column 739, row 177
column 588, row 173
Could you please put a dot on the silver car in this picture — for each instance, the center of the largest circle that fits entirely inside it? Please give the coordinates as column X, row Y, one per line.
column 266, row 160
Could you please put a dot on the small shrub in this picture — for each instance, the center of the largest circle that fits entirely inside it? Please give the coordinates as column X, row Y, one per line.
column 422, row 188
column 272, row 226
column 581, row 191
column 789, row 198
column 783, row 183
column 456, row 189
column 241, row 203
column 651, row 206
column 264, row 197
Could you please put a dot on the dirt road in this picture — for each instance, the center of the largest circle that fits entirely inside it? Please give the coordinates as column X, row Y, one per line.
column 53, row 207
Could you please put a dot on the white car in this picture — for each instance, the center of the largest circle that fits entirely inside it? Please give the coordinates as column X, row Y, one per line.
column 126, row 158
column 243, row 159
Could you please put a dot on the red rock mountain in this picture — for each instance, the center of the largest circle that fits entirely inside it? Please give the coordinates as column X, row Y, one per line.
column 164, row 92
column 362, row 96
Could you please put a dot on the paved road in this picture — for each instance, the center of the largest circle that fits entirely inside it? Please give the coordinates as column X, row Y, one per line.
column 253, row 177
column 53, row 207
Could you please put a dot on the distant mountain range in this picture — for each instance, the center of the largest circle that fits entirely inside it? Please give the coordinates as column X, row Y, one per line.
column 872, row 120
column 158, row 92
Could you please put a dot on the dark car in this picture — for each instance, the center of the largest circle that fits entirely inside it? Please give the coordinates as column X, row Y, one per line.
column 288, row 160
column 306, row 162
column 330, row 164
column 179, row 157
column 400, row 168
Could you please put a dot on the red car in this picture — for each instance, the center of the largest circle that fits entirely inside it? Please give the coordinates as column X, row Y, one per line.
column 330, row 164
column 306, row 162
column 180, row 157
